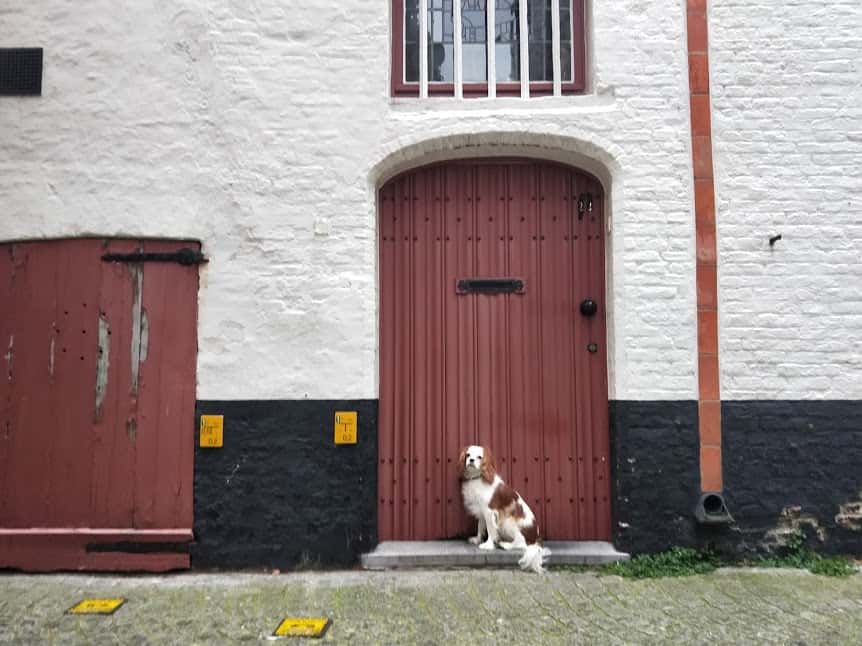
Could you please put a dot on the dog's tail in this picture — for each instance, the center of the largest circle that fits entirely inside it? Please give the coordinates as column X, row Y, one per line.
column 534, row 557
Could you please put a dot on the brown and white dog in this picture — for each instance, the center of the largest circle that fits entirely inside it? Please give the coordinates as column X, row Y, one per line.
column 502, row 513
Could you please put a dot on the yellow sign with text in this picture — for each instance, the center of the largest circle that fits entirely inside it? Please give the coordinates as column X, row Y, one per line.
column 305, row 627
column 212, row 431
column 96, row 607
column 345, row 427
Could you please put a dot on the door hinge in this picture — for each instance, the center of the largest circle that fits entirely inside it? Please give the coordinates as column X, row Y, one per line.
column 184, row 256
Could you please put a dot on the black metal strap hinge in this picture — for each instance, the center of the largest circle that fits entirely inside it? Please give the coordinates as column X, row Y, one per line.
column 184, row 256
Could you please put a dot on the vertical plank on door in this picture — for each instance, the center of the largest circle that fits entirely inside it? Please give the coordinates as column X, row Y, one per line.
column 388, row 356
column 71, row 391
column 112, row 497
column 165, row 429
column 490, row 328
column 459, row 346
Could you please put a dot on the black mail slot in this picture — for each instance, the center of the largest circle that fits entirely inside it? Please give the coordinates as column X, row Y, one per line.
column 490, row 286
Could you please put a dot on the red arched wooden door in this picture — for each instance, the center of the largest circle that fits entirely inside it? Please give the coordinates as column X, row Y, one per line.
column 522, row 372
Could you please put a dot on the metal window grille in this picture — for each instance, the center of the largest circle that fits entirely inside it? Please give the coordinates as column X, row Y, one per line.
column 464, row 30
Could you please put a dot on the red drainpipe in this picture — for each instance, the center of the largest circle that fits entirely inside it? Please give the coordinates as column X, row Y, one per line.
column 709, row 400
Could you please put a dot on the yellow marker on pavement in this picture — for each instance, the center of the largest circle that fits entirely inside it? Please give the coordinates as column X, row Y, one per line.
column 96, row 607
column 302, row 627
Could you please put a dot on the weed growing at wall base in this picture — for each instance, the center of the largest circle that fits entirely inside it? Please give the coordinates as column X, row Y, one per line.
column 796, row 555
column 677, row 561
column 685, row 561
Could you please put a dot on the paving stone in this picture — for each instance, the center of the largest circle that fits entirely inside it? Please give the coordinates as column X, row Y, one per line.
column 471, row 606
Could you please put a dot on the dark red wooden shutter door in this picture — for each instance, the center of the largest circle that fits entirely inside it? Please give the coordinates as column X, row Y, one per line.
column 96, row 404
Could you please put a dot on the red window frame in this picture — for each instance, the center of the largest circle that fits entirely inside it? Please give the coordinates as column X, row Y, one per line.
column 537, row 88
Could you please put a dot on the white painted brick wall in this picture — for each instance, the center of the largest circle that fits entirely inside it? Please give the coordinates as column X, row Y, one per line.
column 787, row 123
column 261, row 128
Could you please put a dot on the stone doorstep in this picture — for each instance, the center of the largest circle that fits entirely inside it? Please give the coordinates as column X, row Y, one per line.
column 418, row 554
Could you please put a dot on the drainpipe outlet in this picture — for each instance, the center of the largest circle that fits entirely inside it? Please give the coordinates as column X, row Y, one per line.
column 711, row 509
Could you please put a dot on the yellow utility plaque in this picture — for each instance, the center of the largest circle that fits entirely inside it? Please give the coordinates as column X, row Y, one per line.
column 96, row 607
column 345, row 427
column 212, row 431
column 305, row 627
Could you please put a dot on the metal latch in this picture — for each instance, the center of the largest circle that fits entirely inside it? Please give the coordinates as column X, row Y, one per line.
column 585, row 204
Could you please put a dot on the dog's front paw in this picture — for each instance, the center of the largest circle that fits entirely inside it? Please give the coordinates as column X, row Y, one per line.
column 474, row 540
column 487, row 545
column 507, row 545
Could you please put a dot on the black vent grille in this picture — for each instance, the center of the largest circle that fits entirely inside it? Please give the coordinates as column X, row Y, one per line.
column 21, row 71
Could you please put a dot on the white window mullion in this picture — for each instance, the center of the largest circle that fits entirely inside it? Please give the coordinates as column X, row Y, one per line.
column 423, row 49
column 555, row 47
column 523, row 27
column 490, row 41
column 456, row 26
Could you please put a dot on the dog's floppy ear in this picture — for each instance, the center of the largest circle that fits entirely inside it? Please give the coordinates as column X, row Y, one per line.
column 489, row 468
column 462, row 461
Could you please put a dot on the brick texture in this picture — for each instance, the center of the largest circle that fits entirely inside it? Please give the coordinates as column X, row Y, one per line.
column 262, row 129
column 787, row 128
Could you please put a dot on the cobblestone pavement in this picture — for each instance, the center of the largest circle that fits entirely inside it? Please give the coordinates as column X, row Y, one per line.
column 731, row 606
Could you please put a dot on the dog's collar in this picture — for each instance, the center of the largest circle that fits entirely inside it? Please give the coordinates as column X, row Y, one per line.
column 472, row 477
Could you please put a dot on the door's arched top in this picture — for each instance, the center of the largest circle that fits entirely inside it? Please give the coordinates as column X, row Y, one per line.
column 597, row 159
column 533, row 164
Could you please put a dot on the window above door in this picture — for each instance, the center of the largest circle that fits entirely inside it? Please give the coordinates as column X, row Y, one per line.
column 440, row 47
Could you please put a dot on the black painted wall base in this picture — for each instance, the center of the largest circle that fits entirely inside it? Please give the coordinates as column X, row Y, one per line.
column 790, row 468
column 793, row 466
column 656, row 477
column 280, row 493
